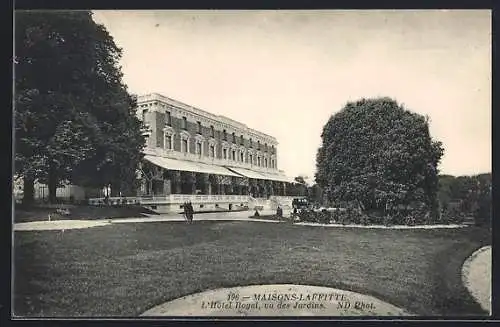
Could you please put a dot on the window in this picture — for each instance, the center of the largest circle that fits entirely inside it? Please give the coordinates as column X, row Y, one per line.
column 272, row 149
column 258, row 145
column 234, row 155
column 250, row 158
column 265, row 147
column 144, row 112
column 168, row 142
column 242, row 142
column 258, row 161
column 242, row 156
column 225, row 153
column 224, row 135
column 198, row 148
column 212, row 151
column 199, row 127
column 234, row 137
column 168, row 118
column 265, row 162
column 251, row 143
column 212, row 131
column 160, row 139
column 184, row 123
column 184, row 145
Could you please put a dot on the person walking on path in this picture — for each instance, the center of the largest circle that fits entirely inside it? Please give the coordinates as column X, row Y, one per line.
column 191, row 212
column 186, row 212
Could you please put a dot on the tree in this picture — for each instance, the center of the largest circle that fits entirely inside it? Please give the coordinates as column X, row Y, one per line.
column 300, row 179
column 483, row 212
column 446, row 185
column 72, row 111
column 301, row 185
column 315, row 194
column 380, row 156
column 117, row 156
column 470, row 195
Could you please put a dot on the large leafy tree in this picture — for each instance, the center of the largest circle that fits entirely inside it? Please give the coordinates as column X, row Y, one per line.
column 380, row 156
column 72, row 110
column 117, row 155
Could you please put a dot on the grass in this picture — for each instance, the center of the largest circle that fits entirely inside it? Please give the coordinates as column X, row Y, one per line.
column 125, row 269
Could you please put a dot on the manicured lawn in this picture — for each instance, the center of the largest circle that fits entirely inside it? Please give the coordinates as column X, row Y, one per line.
column 125, row 269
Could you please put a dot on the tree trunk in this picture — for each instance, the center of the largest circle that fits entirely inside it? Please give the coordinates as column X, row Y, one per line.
column 28, row 190
column 52, row 184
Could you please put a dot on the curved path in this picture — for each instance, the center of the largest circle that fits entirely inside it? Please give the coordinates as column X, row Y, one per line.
column 223, row 216
column 277, row 300
column 476, row 275
column 59, row 225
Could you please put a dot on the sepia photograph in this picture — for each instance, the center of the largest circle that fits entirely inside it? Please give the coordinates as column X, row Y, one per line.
column 251, row 163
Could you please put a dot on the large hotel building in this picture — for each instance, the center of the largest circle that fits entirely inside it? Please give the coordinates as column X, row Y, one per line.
column 193, row 155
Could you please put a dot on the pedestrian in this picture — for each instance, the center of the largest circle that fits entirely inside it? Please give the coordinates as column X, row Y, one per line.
column 190, row 212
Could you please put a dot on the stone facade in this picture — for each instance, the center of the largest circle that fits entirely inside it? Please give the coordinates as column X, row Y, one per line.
column 185, row 134
column 174, row 126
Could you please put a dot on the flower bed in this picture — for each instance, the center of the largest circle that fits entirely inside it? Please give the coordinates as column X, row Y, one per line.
column 351, row 216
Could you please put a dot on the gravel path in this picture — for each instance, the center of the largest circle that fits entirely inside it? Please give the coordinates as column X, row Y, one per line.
column 476, row 275
column 58, row 225
column 277, row 300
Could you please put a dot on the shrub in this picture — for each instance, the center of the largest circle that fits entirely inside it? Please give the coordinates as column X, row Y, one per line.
column 452, row 215
column 324, row 217
column 416, row 215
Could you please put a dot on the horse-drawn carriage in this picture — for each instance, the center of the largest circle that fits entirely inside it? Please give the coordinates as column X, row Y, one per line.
column 298, row 205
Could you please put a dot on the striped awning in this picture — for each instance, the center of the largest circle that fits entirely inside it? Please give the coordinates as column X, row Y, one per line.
column 247, row 173
column 279, row 178
column 262, row 175
column 185, row 165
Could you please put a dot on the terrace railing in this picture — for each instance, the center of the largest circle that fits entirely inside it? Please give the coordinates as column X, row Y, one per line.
column 172, row 198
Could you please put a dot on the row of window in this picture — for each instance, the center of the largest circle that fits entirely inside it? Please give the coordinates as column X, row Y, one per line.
column 226, row 154
column 224, row 135
column 256, row 160
column 168, row 122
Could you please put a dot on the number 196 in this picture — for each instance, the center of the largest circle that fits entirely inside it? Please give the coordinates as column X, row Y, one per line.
column 233, row 296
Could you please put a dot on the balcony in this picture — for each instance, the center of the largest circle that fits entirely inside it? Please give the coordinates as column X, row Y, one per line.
column 172, row 199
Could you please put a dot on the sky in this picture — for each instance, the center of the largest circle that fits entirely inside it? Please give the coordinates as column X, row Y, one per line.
column 285, row 73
